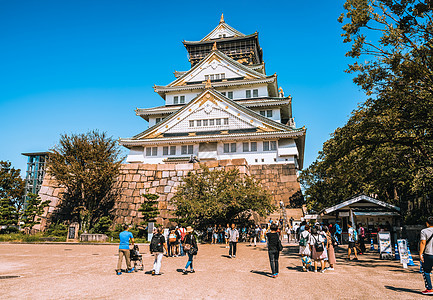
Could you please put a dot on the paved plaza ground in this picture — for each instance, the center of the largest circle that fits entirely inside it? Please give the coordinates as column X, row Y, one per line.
column 73, row 271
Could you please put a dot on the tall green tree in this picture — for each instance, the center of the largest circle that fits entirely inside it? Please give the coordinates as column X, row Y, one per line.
column 386, row 147
column 11, row 185
column 34, row 209
column 87, row 165
column 220, row 196
column 8, row 212
column 149, row 208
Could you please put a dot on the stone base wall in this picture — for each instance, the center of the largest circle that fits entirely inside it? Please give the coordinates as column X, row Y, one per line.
column 163, row 179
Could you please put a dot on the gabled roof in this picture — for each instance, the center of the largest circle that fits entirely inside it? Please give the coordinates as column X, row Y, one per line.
column 359, row 199
column 223, row 27
column 215, row 54
column 266, row 125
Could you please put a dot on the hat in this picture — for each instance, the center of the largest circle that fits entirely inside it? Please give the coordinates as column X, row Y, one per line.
column 189, row 229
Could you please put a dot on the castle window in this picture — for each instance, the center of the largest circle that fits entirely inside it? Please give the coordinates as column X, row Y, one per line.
column 175, row 100
column 224, row 93
column 217, row 76
column 187, row 149
column 230, row 95
column 172, row 150
column 206, row 77
column 182, row 99
column 248, row 93
column 205, row 122
column 158, row 120
column 151, row 151
column 249, row 147
column 191, row 123
column 269, row 113
column 226, row 121
column 223, row 76
column 212, row 77
column 217, row 121
column 255, row 93
column 211, row 122
column 198, row 122
column 245, row 147
column 230, row 148
column 273, row 145
column 263, row 113
column 165, row 150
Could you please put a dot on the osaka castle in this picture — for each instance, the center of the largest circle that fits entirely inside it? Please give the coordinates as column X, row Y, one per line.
column 224, row 107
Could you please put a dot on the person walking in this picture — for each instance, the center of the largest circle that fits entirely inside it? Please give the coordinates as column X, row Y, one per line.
column 361, row 235
column 337, row 232
column 317, row 248
column 274, row 248
column 330, row 243
column 157, row 246
column 190, row 246
column 124, row 237
column 226, row 235
column 214, row 234
column 252, row 235
column 352, row 240
column 304, row 249
column 233, row 237
column 172, row 239
column 426, row 255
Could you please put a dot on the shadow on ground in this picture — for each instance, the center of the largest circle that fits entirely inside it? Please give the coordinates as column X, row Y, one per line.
column 397, row 289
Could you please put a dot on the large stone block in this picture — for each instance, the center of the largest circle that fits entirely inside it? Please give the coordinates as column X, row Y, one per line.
column 136, row 177
column 170, row 167
column 165, row 174
column 184, row 167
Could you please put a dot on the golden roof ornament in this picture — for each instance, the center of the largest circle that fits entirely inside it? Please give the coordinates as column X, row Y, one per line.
column 214, row 47
column 281, row 92
column 208, row 84
column 222, row 19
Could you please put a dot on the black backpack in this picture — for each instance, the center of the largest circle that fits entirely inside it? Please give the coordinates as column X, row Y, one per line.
column 155, row 243
column 318, row 245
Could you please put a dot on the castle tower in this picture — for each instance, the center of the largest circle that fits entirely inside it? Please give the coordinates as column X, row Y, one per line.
column 224, row 107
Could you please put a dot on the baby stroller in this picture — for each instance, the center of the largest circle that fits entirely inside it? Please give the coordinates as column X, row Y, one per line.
column 136, row 258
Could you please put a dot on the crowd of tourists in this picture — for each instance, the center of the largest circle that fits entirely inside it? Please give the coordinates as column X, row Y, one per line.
column 317, row 244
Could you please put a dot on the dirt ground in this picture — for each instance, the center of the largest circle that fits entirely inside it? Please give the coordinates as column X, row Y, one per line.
column 72, row 271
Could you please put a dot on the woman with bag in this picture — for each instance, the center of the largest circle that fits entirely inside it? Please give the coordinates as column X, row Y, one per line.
column 330, row 243
column 317, row 248
column 274, row 248
column 190, row 247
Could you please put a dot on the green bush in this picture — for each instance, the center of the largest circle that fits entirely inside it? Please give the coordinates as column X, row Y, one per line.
column 102, row 226
column 57, row 229
column 9, row 229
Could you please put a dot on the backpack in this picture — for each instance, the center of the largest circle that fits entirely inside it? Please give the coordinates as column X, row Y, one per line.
column 155, row 243
column 303, row 240
column 172, row 238
column 318, row 245
column 355, row 235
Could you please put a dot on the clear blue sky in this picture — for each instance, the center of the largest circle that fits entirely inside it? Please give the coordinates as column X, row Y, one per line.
column 75, row 66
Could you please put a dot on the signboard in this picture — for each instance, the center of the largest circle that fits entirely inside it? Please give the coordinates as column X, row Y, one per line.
column 385, row 242
column 71, row 232
column 343, row 214
column 402, row 250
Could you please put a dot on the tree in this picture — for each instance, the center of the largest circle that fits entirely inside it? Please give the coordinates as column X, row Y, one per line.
column 8, row 212
column 148, row 208
column 219, row 196
column 386, row 147
column 34, row 209
column 11, row 185
column 87, row 165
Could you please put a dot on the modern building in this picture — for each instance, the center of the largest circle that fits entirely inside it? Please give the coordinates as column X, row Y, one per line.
column 36, row 164
column 224, row 107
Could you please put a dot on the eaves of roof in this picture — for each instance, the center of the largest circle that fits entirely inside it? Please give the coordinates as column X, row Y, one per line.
column 219, row 137
column 268, row 79
column 221, row 40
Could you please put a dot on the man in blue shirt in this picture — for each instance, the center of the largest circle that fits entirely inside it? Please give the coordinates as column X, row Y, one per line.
column 124, row 236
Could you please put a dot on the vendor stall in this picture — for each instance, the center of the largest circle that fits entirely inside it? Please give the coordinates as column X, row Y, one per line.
column 373, row 214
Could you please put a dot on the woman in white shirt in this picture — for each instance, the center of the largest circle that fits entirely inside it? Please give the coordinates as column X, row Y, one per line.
column 317, row 247
column 304, row 248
